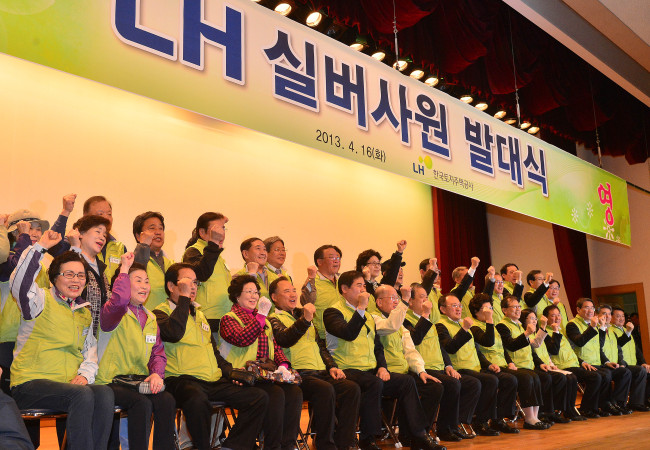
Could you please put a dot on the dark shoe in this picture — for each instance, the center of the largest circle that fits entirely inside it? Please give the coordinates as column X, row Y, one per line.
column 461, row 434
column 368, row 444
column 449, row 436
column 623, row 409
column 612, row 410
column 425, row 442
column 640, row 408
column 483, row 429
column 575, row 418
column 501, row 426
column 591, row 414
column 559, row 419
column 537, row 426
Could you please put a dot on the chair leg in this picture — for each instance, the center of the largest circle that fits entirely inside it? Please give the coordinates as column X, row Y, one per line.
column 389, row 426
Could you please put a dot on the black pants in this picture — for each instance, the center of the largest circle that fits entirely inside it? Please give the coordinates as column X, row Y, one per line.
column 401, row 387
column 431, row 395
column 506, row 393
column 486, row 408
column 638, row 386
column 458, row 401
column 594, row 384
column 193, row 396
column 529, row 386
column 282, row 416
column 622, row 379
column 556, row 391
column 139, row 408
column 13, row 434
column 336, row 408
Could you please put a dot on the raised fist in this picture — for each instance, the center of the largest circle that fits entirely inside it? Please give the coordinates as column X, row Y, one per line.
column 127, row 261
column 475, row 262
column 491, row 272
column 405, row 291
column 543, row 320
column 49, row 239
column 426, row 309
column 312, row 271
column 594, row 321
column 488, row 313
column 146, row 237
column 548, row 278
column 629, row 327
column 518, row 275
column 556, row 301
column 362, row 301
column 184, row 287
column 401, row 245
column 252, row 267
column 23, row 227
column 433, row 264
column 555, row 327
column 264, row 306
column 467, row 323
column 308, row 311
column 366, row 273
column 217, row 235
column 68, row 202
column 530, row 329
column 74, row 238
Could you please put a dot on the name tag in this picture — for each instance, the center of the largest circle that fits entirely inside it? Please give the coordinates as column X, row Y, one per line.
column 114, row 260
column 205, row 327
column 150, row 339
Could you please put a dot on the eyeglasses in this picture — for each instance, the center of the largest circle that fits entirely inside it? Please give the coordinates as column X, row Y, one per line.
column 392, row 297
column 196, row 283
column 455, row 305
column 70, row 275
column 334, row 258
column 591, row 308
column 498, row 283
column 251, row 292
column 373, row 264
column 279, row 250
column 515, row 306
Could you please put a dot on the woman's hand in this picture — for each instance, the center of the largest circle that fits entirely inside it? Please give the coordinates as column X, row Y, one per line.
column 155, row 383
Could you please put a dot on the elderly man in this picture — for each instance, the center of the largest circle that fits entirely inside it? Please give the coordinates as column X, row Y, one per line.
column 582, row 331
column 357, row 349
column 464, row 288
column 553, row 298
column 508, row 273
column 253, row 251
column 323, row 385
column 276, row 256
column 494, row 288
column 538, row 285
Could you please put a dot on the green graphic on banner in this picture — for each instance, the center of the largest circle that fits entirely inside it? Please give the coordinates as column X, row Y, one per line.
column 242, row 63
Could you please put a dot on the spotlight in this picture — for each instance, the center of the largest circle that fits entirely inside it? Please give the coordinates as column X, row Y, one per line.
column 358, row 46
column 525, row 124
column 313, row 19
column 401, row 65
column 511, row 120
column 533, row 130
column 283, row 8
column 466, row 98
column 417, row 74
column 432, row 81
column 500, row 114
column 379, row 55
column 481, row 106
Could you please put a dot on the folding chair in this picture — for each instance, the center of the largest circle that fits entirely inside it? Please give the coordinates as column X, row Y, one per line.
column 303, row 437
column 388, row 423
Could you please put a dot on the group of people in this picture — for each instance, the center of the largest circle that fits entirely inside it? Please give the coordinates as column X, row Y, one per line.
column 355, row 345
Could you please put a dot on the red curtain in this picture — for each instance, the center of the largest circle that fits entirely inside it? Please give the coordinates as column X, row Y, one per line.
column 460, row 228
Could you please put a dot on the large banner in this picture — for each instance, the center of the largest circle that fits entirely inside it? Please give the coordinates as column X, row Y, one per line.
column 239, row 62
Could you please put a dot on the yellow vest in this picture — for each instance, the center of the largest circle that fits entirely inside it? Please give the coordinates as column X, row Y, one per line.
column 212, row 295
column 304, row 354
column 156, row 275
column 429, row 348
column 629, row 349
column 610, row 348
column 394, row 351
column 494, row 354
column 465, row 357
column 114, row 250
column 434, row 316
column 327, row 296
column 497, row 312
column 590, row 352
column 522, row 358
column 358, row 354
column 237, row 356
column 566, row 357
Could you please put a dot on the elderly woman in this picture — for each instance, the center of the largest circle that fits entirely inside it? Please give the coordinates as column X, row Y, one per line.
column 129, row 344
column 246, row 335
column 56, row 352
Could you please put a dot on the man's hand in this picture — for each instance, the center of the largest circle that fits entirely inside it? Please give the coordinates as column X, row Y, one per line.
column 629, row 327
column 585, row 365
column 3, row 222
column 155, row 383
column 555, row 327
column 424, row 376
column 543, row 321
column 406, row 293
column 530, row 329
column 23, row 227
column 252, row 267
column 264, row 306
column 556, row 301
column 126, row 261
column 308, row 311
column 518, row 276
column 184, row 287
column 552, row 366
column 602, row 321
column 49, row 239
column 467, row 323
column 646, row 367
column 512, row 366
column 494, row 368
column 594, row 321
column 450, row 371
column 491, row 272
column 383, row 374
column 433, row 264
column 337, row 373
column 426, row 309
column 488, row 314
column 475, row 262
column 146, row 237
column 79, row 379
column 74, row 238
column 68, row 204
column 544, row 367
column 401, row 245
column 312, row 271
column 612, row 365
column 548, row 278
column 217, row 235
column 362, row 301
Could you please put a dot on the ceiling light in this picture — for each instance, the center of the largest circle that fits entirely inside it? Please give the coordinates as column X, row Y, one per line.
column 358, row 46
column 432, row 81
column 466, row 98
column 481, row 106
column 500, row 114
column 313, row 19
column 417, row 74
column 283, row 8
column 401, row 65
column 379, row 55
column 533, row 130
column 511, row 120
column 525, row 124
